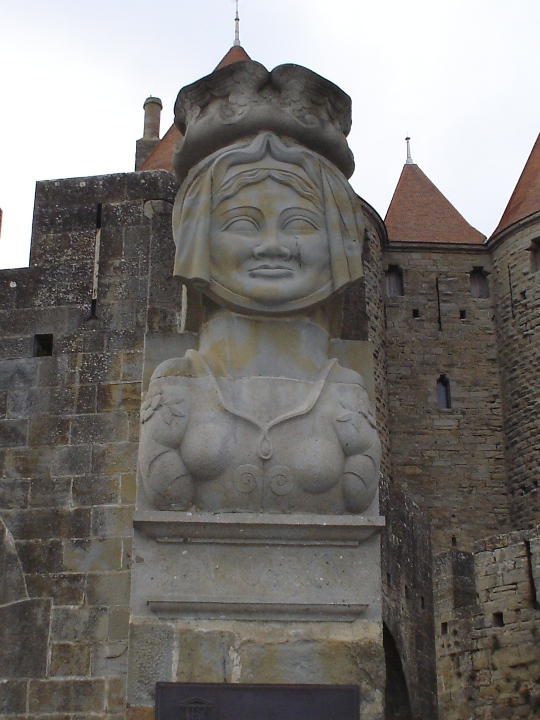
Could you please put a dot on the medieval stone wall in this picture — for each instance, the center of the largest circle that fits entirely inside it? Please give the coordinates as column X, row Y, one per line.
column 488, row 623
column 408, row 607
column 450, row 461
column 516, row 283
column 70, row 387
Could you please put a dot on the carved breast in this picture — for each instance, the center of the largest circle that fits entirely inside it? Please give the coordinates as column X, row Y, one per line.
column 257, row 443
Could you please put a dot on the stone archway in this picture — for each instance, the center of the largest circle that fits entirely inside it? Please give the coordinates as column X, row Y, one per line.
column 397, row 703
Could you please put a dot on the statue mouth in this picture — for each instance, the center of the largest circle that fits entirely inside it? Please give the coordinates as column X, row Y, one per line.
column 271, row 270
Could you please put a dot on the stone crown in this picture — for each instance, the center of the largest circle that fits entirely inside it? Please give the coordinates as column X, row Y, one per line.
column 244, row 99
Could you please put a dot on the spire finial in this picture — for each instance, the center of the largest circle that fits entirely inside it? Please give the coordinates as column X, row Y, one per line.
column 237, row 27
column 409, row 160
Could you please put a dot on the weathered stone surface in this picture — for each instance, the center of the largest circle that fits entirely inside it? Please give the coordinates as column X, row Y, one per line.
column 92, row 555
column 12, row 583
column 13, row 697
column 69, row 659
column 24, row 633
column 79, row 625
column 151, row 647
column 50, row 696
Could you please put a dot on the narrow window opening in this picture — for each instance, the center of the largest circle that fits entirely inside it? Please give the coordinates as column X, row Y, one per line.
column 479, row 282
column 416, row 313
column 95, row 274
column 444, row 628
column 99, row 214
column 422, row 603
column 462, row 314
column 443, row 393
column 534, row 253
column 498, row 619
column 454, row 541
column 530, row 573
column 388, row 579
column 43, row 345
column 394, row 281
column 407, row 593
column 439, row 316
column 511, row 290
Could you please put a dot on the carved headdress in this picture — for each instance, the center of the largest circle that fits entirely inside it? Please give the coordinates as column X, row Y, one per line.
column 244, row 99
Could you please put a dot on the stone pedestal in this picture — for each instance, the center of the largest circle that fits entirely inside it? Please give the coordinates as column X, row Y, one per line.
column 251, row 598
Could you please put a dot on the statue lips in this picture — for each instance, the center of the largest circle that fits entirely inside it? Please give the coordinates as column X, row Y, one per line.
column 268, row 270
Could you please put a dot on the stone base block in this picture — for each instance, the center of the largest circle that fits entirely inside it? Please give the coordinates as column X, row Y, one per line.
column 256, row 652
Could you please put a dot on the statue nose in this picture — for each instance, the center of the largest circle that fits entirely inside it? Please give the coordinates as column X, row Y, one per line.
column 271, row 248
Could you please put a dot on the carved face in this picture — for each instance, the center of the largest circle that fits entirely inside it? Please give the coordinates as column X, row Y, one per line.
column 269, row 244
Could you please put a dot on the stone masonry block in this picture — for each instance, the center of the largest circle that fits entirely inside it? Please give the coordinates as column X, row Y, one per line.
column 12, row 697
column 40, row 556
column 57, row 370
column 50, row 492
column 114, row 458
column 128, row 489
column 54, row 696
column 24, row 631
column 52, row 430
column 111, row 659
column 116, row 697
column 86, row 400
column 69, row 660
column 108, row 588
column 49, row 523
column 79, row 625
column 114, row 396
column 99, row 367
column 13, row 493
column 63, row 589
column 150, row 659
column 92, row 555
column 96, row 490
column 112, row 522
column 13, row 433
column 99, row 428
column 29, row 462
column 119, row 623
column 72, row 460
column 23, row 371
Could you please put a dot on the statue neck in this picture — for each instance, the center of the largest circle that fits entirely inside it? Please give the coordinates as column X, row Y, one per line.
column 254, row 346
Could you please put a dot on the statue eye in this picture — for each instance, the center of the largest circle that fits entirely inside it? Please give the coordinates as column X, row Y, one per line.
column 300, row 225
column 241, row 224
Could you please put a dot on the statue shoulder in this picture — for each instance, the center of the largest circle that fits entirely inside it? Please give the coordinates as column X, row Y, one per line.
column 340, row 374
column 190, row 365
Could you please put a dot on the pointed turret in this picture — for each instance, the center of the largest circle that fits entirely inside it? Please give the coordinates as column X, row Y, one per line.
column 160, row 157
column 525, row 199
column 419, row 212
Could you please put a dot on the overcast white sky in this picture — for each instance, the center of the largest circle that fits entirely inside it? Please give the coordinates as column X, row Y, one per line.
column 460, row 76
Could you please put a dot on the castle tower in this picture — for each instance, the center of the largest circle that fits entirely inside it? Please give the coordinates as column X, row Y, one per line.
column 515, row 251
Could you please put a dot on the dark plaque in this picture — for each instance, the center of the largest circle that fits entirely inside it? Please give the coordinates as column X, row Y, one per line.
column 208, row 701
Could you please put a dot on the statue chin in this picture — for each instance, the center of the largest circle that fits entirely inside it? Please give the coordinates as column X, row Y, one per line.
column 265, row 306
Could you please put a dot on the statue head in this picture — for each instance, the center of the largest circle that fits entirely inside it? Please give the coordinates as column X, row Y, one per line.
column 267, row 226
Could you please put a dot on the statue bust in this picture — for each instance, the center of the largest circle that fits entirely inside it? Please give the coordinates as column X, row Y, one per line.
column 260, row 418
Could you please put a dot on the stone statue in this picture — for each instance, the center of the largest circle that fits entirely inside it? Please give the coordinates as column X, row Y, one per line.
column 260, row 418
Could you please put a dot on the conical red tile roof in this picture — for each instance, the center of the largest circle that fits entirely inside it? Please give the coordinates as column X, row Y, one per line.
column 235, row 54
column 525, row 199
column 161, row 156
column 419, row 212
